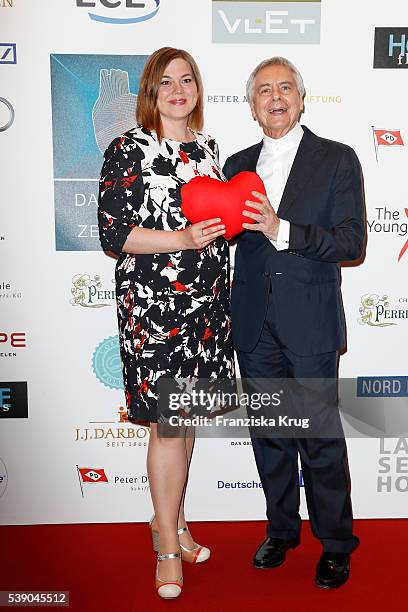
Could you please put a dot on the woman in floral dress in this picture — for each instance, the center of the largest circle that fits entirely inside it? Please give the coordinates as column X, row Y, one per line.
column 172, row 280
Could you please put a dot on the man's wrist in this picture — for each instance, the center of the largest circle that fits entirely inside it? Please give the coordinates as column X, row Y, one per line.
column 273, row 234
column 283, row 234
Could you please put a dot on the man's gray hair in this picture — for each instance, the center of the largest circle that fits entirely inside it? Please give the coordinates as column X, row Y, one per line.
column 275, row 61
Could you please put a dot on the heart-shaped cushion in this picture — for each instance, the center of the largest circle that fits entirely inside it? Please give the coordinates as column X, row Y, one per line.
column 205, row 198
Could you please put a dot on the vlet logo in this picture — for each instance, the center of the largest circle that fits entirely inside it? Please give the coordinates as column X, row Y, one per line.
column 266, row 21
column 110, row 11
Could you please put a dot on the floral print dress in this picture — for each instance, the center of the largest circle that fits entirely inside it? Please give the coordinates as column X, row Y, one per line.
column 173, row 308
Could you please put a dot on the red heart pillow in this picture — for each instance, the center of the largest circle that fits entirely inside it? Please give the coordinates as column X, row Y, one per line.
column 207, row 198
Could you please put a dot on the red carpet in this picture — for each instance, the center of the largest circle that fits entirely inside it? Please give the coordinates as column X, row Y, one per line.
column 111, row 568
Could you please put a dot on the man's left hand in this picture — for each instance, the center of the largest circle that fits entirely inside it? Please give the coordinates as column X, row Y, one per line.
column 266, row 219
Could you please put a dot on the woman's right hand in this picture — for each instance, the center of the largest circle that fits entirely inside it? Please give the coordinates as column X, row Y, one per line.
column 199, row 235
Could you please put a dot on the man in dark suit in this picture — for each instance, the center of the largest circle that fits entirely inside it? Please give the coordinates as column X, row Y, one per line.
column 286, row 304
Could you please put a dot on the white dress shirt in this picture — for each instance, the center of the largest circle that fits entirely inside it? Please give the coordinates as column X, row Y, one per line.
column 274, row 165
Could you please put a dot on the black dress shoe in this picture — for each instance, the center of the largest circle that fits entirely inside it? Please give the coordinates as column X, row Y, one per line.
column 332, row 570
column 272, row 552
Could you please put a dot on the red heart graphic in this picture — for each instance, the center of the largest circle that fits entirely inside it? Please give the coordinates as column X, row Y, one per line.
column 206, row 198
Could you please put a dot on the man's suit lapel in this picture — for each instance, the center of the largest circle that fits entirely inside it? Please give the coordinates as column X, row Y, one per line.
column 252, row 156
column 307, row 160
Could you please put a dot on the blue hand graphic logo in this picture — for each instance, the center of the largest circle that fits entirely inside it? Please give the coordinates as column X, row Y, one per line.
column 114, row 112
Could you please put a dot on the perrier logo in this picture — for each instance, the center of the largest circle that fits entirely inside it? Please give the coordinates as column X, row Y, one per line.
column 374, row 309
column 89, row 293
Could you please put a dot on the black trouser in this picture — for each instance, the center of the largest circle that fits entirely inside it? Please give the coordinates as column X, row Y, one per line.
column 324, row 460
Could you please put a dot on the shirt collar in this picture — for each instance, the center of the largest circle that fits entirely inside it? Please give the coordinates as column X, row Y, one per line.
column 276, row 146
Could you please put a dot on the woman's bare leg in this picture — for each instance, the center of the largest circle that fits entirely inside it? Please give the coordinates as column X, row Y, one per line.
column 185, row 538
column 167, row 468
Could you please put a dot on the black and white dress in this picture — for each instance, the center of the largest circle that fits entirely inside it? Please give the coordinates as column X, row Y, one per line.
column 173, row 308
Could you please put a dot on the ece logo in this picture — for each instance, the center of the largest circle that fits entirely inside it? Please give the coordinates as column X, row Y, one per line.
column 121, row 11
column 266, row 21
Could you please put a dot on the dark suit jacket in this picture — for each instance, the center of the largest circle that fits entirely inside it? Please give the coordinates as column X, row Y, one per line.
column 323, row 200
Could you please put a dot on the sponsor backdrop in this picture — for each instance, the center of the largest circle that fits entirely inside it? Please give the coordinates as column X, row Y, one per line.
column 67, row 87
